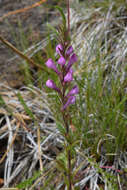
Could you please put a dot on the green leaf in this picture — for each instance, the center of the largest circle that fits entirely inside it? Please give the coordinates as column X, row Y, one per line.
column 28, row 182
column 52, row 29
column 62, row 14
column 61, row 161
column 61, row 128
column 27, row 110
column 2, row 102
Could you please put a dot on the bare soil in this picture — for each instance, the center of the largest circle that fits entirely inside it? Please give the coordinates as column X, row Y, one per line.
column 32, row 19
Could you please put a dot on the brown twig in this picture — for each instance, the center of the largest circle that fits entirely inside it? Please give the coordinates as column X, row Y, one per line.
column 22, row 10
column 29, row 60
column 39, row 148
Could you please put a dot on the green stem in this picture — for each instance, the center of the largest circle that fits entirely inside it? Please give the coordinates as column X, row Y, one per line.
column 68, row 15
column 69, row 170
column 68, row 153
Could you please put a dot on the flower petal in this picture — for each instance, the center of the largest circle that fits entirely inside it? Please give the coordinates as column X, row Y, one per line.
column 50, row 84
column 69, row 51
column 50, row 64
column 71, row 100
column 59, row 49
column 72, row 60
column 61, row 61
column 69, row 76
column 73, row 91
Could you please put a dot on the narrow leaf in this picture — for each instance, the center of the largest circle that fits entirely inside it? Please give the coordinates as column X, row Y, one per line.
column 27, row 110
column 2, row 102
column 62, row 14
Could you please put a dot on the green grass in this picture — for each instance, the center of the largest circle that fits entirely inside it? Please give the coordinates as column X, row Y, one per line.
column 103, row 113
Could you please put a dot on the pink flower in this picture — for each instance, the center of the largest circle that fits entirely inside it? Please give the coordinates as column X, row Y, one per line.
column 69, row 76
column 69, row 51
column 51, row 84
column 71, row 100
column 61, row 61
column 59, row 49
column 50, row 64
column 73, row 91
column 72, row 60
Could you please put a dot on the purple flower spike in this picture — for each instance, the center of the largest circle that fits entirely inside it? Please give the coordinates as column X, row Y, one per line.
column 61, row 61
column 69, row 76
column 73, row 91
column 59, row 49
column 72, row 60
column 50, row 64
column 51, row 84
column 71, row 100
column 69, row 51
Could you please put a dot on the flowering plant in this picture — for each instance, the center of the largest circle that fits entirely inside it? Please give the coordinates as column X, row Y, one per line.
column 63, row 69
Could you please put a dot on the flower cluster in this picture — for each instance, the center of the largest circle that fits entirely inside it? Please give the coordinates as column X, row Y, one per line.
column 66, row 59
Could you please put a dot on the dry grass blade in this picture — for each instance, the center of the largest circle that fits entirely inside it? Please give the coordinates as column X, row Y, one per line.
column 39, row 149
column 5, row 127
column 10, row 145
column 32, row 146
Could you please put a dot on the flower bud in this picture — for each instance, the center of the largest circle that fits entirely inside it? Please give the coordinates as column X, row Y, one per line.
column 72, row 60
column 73, row 91
column 50, row 64
column 69, row 76
column 69, row 51
column 51, row 84
column 61, row 61
column 71, row 100
column 59, row 49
